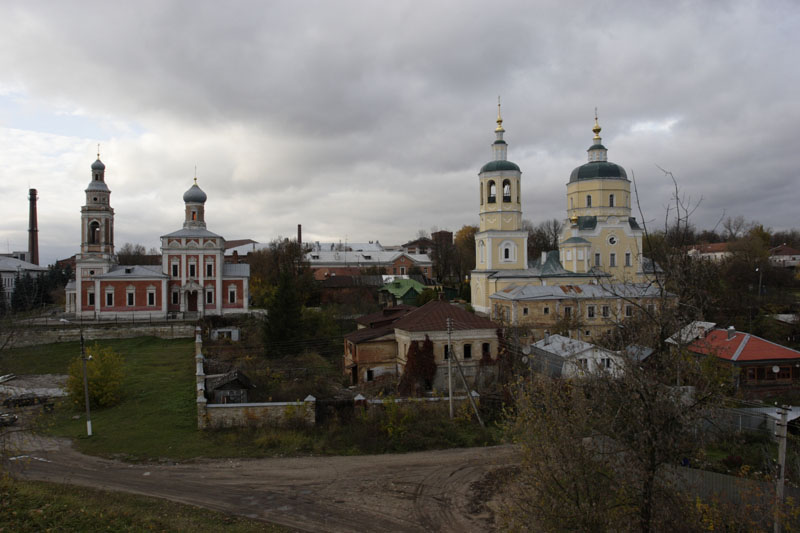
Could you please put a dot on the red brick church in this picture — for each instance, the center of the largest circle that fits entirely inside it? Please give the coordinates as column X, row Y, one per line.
column 192, row 280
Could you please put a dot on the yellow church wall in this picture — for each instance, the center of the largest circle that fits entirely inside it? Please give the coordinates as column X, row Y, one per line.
column 600, row 190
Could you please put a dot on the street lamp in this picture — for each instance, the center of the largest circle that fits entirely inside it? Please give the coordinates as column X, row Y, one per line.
column 85, row 381
column 86, row 386
column 760, row 275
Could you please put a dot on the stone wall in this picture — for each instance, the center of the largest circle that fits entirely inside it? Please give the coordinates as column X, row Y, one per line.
column 256, row 414
column 35, row 335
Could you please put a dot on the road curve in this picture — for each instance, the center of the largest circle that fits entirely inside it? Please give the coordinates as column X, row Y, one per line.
column 425, row 491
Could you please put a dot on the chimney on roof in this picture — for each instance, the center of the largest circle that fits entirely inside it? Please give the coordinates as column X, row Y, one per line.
column 33, row 229
column 299, row 234
column 731, row 332
column 546, row 338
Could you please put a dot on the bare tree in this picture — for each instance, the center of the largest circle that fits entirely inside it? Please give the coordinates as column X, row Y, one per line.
column 734, row 227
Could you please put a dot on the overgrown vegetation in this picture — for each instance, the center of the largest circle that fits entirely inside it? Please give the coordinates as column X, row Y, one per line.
column 29, row 506
column 104, row 376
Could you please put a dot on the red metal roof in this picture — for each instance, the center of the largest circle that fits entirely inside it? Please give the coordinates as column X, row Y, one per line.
column 742, row 347
column 433, row 317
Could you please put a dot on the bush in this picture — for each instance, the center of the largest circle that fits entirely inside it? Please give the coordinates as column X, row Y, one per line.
column 104, row 373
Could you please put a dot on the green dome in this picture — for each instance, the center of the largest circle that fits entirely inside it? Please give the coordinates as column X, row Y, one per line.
column 502, row 164
column 598, row 170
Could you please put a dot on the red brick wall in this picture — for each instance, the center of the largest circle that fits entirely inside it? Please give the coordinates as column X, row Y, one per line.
column 121, row 299
column 239, row 294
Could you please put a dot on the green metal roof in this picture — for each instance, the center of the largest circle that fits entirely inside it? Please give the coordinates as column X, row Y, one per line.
column 598, row 170
column 576, row 240
column 399, row 287
column 492, row 166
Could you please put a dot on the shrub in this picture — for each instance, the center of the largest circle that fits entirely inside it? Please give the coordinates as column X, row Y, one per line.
column 104, row 373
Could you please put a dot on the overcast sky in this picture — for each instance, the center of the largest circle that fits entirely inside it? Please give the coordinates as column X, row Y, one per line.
column 370, row 120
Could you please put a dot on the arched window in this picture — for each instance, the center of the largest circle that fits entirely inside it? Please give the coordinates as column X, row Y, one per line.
column 610, row 200
column 588, row 200
column 492, row 192
column 94, row 232
column 194, row 215
column 506, row 191
column 508, row 252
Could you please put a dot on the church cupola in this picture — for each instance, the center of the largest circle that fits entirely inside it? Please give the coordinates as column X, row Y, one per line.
column 195, row 200
column 97, row 216
column 597, row 152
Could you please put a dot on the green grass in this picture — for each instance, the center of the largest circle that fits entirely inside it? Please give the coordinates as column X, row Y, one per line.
column 32, row 506
column 157, row 417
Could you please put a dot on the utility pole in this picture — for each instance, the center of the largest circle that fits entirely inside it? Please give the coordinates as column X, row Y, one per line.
column 450, row 364
column 780, row 432
column 86, row 388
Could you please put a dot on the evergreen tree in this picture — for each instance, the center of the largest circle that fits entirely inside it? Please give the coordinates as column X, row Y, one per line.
column 283, row 325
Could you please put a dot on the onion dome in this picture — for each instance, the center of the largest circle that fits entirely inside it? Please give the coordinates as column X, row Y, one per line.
column 98, row 165
column 598, row 167
column 195, row 194
column 500, row 149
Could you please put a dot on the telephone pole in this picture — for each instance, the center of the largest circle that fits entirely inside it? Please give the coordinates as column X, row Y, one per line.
column 780, row 433
column 450, row 364
column 86, row 388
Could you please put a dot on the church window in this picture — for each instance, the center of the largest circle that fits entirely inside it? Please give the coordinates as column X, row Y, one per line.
column 175, row 298
column 627, row 259
column 91, row 298
column 506, row 190
column 597, row 259
column 580, row 255
column 94, row 199
column 130, row 296
column 209, row 296
column 174, row 270
column 110, row 298
column 508, row 251
column 588, row 200
column 612, row 260
column 492, row 192
column 209, row 270
column 610, row 200
column 151, row 297
column 232, row 294
column 194, row 215
column 94, row 232
column 569, row 255
column 192, row 270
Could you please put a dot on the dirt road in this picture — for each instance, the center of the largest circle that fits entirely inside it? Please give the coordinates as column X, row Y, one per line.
column 427, row 491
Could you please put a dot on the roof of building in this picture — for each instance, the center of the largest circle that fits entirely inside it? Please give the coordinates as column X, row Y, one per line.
column 576, row 240
column 192, row 232
column 571, row 292
column 433, row 317
column 195, row 194
column 386, row 314
column 367, row 334
column 783, row 249
column 741, row 347
column 598, row 170
column 710, row 248
column 235, row 243
column 215, row 381
column 562, row 346
column 317, row 246
column 399, row 287
column 494, row 166
column 691, row 331
column 97, row 185
column 236, row 270
column 133, row 272
column 98, row 165
column 10, row 264
column 362, row 258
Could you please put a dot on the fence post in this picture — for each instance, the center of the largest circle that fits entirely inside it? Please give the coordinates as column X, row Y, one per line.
column 780, row 432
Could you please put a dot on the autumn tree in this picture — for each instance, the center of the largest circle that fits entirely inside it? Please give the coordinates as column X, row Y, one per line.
column 105, row 375
column 136, row 254
column 420, row 368
column 465, row 251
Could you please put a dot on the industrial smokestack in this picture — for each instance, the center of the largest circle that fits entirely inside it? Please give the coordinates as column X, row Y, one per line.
column 33, row 229
column 299, row 234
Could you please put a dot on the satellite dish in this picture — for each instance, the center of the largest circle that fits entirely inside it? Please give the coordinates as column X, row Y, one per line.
column 524, row 360
column 776, row 369
column 526, row 350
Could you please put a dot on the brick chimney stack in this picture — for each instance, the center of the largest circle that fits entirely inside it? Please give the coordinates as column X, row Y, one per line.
column 33, row 229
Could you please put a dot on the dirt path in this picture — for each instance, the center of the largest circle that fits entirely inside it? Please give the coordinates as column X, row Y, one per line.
column 427, row 491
